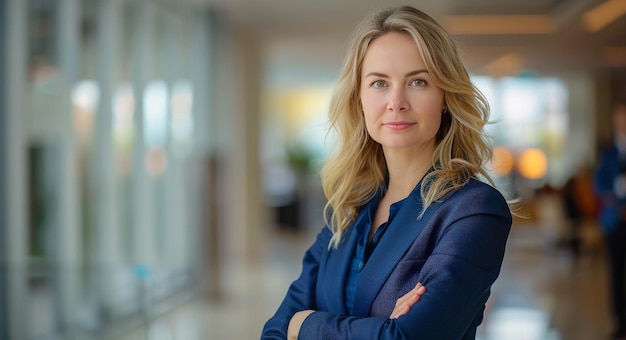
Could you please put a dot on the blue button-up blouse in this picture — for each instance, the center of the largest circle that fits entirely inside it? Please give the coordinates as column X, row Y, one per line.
column 364, row 248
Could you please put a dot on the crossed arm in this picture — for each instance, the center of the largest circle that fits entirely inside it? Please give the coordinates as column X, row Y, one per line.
column 458, row 273
column 403, row 306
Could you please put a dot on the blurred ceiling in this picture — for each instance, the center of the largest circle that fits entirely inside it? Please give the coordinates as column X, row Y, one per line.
column 498, row 37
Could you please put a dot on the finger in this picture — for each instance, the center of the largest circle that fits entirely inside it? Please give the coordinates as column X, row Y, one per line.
column 406, row 298
column 419, row 290
column 404, row 303
column 397, row 312
column 404, row 306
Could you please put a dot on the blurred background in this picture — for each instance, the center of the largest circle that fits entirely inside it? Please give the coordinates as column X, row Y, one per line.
column 159, row 158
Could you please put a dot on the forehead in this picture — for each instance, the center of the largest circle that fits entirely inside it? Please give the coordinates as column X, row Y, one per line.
column 391, row 50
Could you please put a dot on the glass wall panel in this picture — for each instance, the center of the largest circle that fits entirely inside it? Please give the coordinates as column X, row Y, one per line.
column 143, row 81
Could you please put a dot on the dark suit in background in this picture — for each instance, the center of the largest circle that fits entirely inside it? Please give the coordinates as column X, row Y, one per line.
column 611, row 166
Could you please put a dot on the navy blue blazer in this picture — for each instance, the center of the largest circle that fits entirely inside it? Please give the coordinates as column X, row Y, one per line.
column 455, row 249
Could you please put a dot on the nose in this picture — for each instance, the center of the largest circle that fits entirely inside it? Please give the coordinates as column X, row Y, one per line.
column 397, row 100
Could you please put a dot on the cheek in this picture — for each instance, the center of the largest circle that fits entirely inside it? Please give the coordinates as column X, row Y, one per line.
column 432, row 108
column 437, row 119
column 370, row 110
column 370, row 122
column 371, row 104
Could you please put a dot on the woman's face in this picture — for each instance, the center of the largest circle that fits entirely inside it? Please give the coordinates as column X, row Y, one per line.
column 401, row 105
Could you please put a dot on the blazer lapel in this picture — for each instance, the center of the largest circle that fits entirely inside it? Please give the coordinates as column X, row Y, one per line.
column 336, row 268
column 403, row 230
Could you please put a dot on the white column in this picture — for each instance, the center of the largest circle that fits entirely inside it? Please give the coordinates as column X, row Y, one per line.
column 105, row 236
column 201, row 237
column 173, row 225
column 68, row 26
column 228, row 102
column 241, row 184
column 247, row 215
column 141, row 200
column 67, row 233
column 14, row 29
column 4, row 192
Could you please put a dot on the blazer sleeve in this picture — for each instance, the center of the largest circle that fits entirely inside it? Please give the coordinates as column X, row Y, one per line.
column 458, row 275
column 301, row 294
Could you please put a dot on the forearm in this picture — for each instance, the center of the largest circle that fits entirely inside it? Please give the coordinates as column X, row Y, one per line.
column 326, row 325
column 428, row 319
column 296, row 322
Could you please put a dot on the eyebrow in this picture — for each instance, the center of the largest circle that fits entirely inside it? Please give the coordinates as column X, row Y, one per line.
column 382, row 75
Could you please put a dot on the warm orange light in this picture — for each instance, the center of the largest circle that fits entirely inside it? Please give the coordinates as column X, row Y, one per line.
column 502, row 161
column 604, row 14
column 532, row 164
column 507, row 65
column 499, row 24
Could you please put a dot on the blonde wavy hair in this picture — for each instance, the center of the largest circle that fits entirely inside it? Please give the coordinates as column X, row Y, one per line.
column 357, row 169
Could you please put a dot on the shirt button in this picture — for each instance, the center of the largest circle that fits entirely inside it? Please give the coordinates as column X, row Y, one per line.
column 361, row 265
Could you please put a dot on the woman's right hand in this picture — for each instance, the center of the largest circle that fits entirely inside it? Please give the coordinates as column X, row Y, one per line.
column 404, row 304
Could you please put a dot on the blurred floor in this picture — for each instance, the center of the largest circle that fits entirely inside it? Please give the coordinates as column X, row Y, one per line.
column 543, row 293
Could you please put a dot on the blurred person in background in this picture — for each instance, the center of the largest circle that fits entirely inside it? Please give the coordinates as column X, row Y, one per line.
column 415, row 233
column 610, row 183
column 580, row 205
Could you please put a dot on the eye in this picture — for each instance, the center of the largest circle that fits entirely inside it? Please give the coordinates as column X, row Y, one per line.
column 378, row 84
column 418, row 83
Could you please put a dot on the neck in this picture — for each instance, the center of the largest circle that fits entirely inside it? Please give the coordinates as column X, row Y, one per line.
column 405, row 171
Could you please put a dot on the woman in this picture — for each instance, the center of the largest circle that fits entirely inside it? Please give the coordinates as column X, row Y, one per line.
column 414, row 240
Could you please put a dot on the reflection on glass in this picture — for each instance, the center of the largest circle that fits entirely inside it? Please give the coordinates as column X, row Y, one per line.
column 85, row 97
column 156, row 161
column 123, row 126
column 155, row 114
column 181, row 117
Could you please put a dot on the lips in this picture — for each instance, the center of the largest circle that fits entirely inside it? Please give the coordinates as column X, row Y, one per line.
column 398, row 125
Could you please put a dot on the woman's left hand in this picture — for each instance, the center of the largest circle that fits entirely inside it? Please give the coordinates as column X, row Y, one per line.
column 296, row 322
column 404, row 304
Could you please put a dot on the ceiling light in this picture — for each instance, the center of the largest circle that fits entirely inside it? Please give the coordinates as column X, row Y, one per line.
column 602, row 15
column 507, row 65
column 498, row 24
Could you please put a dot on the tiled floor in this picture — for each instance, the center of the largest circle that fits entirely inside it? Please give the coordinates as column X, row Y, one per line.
column 543, row 293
